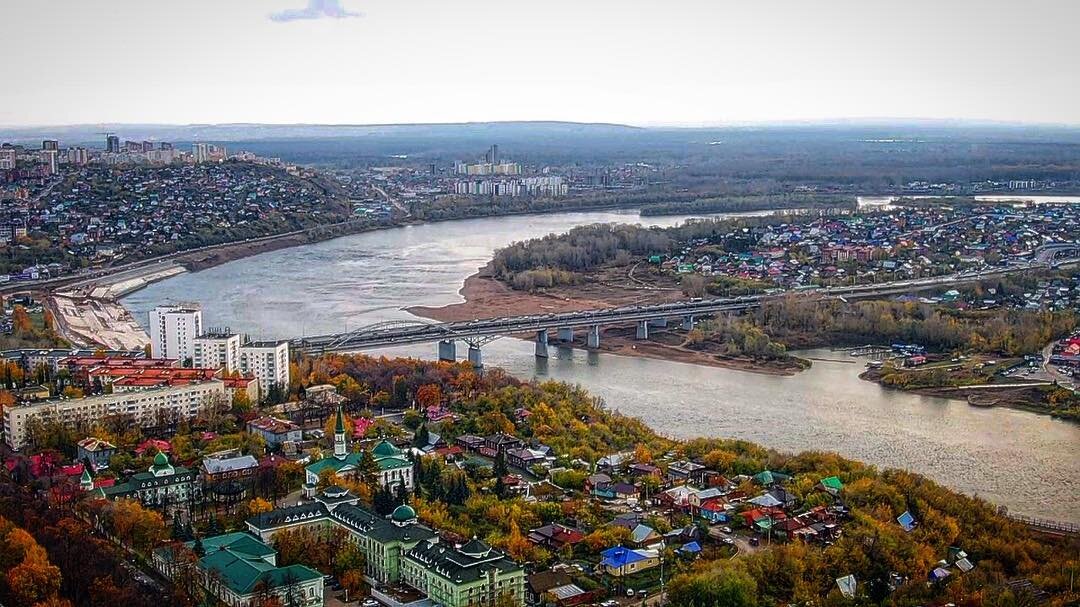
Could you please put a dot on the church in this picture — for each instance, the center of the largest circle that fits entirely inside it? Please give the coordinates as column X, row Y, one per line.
column 394, row 467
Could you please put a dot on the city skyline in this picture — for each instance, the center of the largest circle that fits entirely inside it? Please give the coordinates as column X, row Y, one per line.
column 377, row 62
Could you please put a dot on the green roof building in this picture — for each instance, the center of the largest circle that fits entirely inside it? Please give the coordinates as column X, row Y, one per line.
column 161, row 485
column 237, row 568
column 473, row 575
column 394, row 467
column 383, row 540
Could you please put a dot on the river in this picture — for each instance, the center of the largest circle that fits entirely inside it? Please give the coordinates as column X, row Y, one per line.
column 1021, row 460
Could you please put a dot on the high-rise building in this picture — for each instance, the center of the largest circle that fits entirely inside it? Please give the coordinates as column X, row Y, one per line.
column 268, row 361
column 165, row 145
column 200, row 152
column 7, row 159
column 78, row 156
column 147, row 146
column 50, row 144
column 51, row 161
column 112, row 144
column 173, row 329
column 217, row 349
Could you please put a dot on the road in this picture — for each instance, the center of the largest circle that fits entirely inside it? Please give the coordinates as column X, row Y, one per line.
column 1050, row 372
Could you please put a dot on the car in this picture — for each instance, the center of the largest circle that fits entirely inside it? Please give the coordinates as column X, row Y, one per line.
column 726, row 530
column 755, row 541
column 370, row 603
column 609, row 603
column 728, row 541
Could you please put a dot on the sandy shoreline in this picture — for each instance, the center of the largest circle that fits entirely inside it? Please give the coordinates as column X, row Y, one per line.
column 88, row 322
column 486, row 297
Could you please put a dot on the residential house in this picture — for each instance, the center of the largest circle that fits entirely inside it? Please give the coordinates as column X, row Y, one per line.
column 620, row 561
column 555, row 536
column 95, row 451
column 681, row 471
column 644, row 536
column 275, row 431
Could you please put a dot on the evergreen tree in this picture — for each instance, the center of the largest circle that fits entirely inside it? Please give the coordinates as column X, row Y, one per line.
column 401, row 494
column 368, row 468
column 383, row 501
column 177, row 529
column 500, row 469
column 420, row 439
column 198, row 547
column 212, row 527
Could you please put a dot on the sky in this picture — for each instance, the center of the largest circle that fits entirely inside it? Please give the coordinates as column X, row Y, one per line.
column 644, row 62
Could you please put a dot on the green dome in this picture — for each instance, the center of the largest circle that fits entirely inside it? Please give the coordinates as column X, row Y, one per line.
column 403, row 514
column 385, row 449
column 161, row 459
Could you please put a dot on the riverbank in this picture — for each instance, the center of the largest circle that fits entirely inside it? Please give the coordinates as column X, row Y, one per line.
column 1020, row 396
column 486, row 297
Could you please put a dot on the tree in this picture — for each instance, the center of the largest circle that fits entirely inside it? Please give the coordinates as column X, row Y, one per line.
column 21, row 325
column 383, row 501
column 720, row 585
column 368, row 469
column 420, row 439
column 499, row 469
column 429, row 395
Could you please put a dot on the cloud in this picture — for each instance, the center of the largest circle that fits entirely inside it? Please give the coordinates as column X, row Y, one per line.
column 316, row 9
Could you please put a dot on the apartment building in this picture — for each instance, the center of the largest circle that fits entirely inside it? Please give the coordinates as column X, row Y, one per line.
column 145, row 407
column 217, row 349
column 268, row 361
column 173, row 329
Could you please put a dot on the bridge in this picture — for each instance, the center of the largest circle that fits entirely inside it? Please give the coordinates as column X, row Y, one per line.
column 478, row 332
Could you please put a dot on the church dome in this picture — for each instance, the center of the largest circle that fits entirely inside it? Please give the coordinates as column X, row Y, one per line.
column 403, row 514
column 161, row 459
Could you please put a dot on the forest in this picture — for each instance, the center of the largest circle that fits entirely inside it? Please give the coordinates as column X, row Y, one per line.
column 743, row 204
column 559, row 257
column 807, row 321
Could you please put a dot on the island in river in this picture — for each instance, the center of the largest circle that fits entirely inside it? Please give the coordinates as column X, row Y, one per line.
column 487, row 297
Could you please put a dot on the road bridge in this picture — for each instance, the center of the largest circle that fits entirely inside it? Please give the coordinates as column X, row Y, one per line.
column 478, row 332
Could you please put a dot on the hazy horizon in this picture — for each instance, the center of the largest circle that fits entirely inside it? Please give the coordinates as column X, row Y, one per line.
column 688, row 63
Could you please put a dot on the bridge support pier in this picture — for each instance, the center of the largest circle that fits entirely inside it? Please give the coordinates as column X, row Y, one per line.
column 475, row 357
column 566, row 334
column 643, row 329
column 542, row 343
column 447, row 350
column 688, row 322
column 592, row 339
column 660, row 323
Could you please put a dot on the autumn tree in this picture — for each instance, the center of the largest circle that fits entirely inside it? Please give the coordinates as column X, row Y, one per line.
column 429, row 395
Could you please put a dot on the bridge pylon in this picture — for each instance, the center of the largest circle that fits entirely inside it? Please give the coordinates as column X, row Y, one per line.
column 592, row 338
column 447, row 350
column 542, row 343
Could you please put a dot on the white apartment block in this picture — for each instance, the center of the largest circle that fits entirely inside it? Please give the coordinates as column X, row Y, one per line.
column 220, row 350
column 268, row 361
column 173, row 330
column 145, row 407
